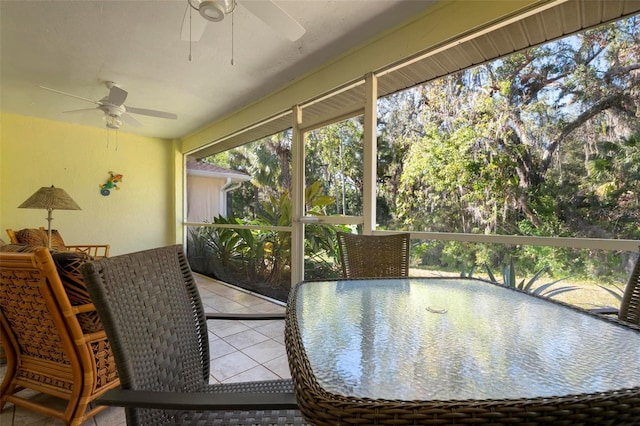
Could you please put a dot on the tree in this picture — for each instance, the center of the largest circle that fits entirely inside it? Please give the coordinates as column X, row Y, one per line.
column 496, row 138
column 333, row 156
column 511, row 147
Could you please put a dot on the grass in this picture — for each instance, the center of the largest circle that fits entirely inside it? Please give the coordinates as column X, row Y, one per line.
column 588, row 295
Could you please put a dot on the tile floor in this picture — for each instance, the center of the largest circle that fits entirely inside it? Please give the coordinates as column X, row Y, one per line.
column 240, row 351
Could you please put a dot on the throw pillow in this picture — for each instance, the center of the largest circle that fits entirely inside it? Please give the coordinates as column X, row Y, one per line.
column 68, row 265
column 17, row 248
column 32, row 237
column 39, row 237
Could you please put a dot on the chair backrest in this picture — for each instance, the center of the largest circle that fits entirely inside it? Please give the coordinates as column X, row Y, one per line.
column 630, row 305
column 368, row 256
column 151, row 310
column 42, row 318
column 32, row 307
column 13, row 239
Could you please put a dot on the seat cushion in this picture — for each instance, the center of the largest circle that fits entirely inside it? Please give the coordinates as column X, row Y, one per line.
column 68, row 265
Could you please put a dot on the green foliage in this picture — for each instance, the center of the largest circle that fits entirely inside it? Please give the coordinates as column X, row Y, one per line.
column 261, row 259
column 333, row 157
column 614, row 181
column 509, row 148
column 468, row 274
column 215, row 251
column 618, row 293
column 509, row 280
column 545, row 142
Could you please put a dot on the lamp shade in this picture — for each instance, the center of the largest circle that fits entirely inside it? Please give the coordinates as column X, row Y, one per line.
column 50, row 198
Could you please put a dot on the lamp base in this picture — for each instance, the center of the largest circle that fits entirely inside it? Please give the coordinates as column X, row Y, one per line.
column 49, row 219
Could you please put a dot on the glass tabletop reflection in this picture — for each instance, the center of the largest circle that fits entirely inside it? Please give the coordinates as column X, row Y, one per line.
column 457, row 339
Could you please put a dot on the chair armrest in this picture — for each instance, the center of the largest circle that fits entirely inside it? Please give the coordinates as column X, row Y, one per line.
column 257, row 317
column 87, row 307
column 93, row 250
column 198, row 400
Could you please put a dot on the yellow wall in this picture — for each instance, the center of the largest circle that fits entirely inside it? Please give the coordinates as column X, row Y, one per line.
column 36, row 153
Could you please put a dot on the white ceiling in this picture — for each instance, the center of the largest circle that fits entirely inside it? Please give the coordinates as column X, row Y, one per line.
column 74, row 46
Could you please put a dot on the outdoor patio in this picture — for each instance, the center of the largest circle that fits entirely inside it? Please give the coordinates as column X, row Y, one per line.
column 240, row 351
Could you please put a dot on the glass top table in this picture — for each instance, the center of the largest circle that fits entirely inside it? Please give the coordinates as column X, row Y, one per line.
column 438, row 351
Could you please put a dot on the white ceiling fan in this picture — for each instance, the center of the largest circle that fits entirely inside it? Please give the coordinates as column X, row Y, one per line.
column 215, row 10
column 114, row 109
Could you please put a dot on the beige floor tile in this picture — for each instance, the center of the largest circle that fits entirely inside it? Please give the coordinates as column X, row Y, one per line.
column 220, row 348
column 6, row 417
column 265, row 351
column 222, row 304
column 224, row 328
column 255, row 374
column 268, row 307
column 231, row 365
column 221, row 289
column 246, row 299
column 279, row 339
column 212, row 336
column 273, row 329
column 279, row 366
column 112, row 416
column 245, row 339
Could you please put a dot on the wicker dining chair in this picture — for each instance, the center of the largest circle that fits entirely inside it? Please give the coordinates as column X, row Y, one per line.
column 151, row 309
column 369, row 256
column 630, row 306
column 629, row 310
column 52, row 336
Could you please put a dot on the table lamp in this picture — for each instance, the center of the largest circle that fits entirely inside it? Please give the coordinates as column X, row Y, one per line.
column 50, row 199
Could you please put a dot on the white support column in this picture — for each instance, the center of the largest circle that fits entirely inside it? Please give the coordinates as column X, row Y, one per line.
column 370, row 153
column 297, row 198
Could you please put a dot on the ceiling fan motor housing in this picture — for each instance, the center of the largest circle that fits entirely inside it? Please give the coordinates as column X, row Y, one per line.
column 214, row 10
column 112, row 110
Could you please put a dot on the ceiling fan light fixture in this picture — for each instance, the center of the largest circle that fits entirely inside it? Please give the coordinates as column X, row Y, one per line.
column 112, row 122
column 214, row 10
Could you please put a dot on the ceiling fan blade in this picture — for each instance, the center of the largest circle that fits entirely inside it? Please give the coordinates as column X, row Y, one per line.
column 151, row 113
column 193, row 25
column 69, row 94
column 276, row 17
column 129, row 119
column 117, row 95
column 80, row 110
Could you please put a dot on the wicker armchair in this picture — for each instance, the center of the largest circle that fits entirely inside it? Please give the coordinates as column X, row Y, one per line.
column 39, row 237
column 630, row 305
column 52, row 335
column 152, row 312
column 368, row 256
